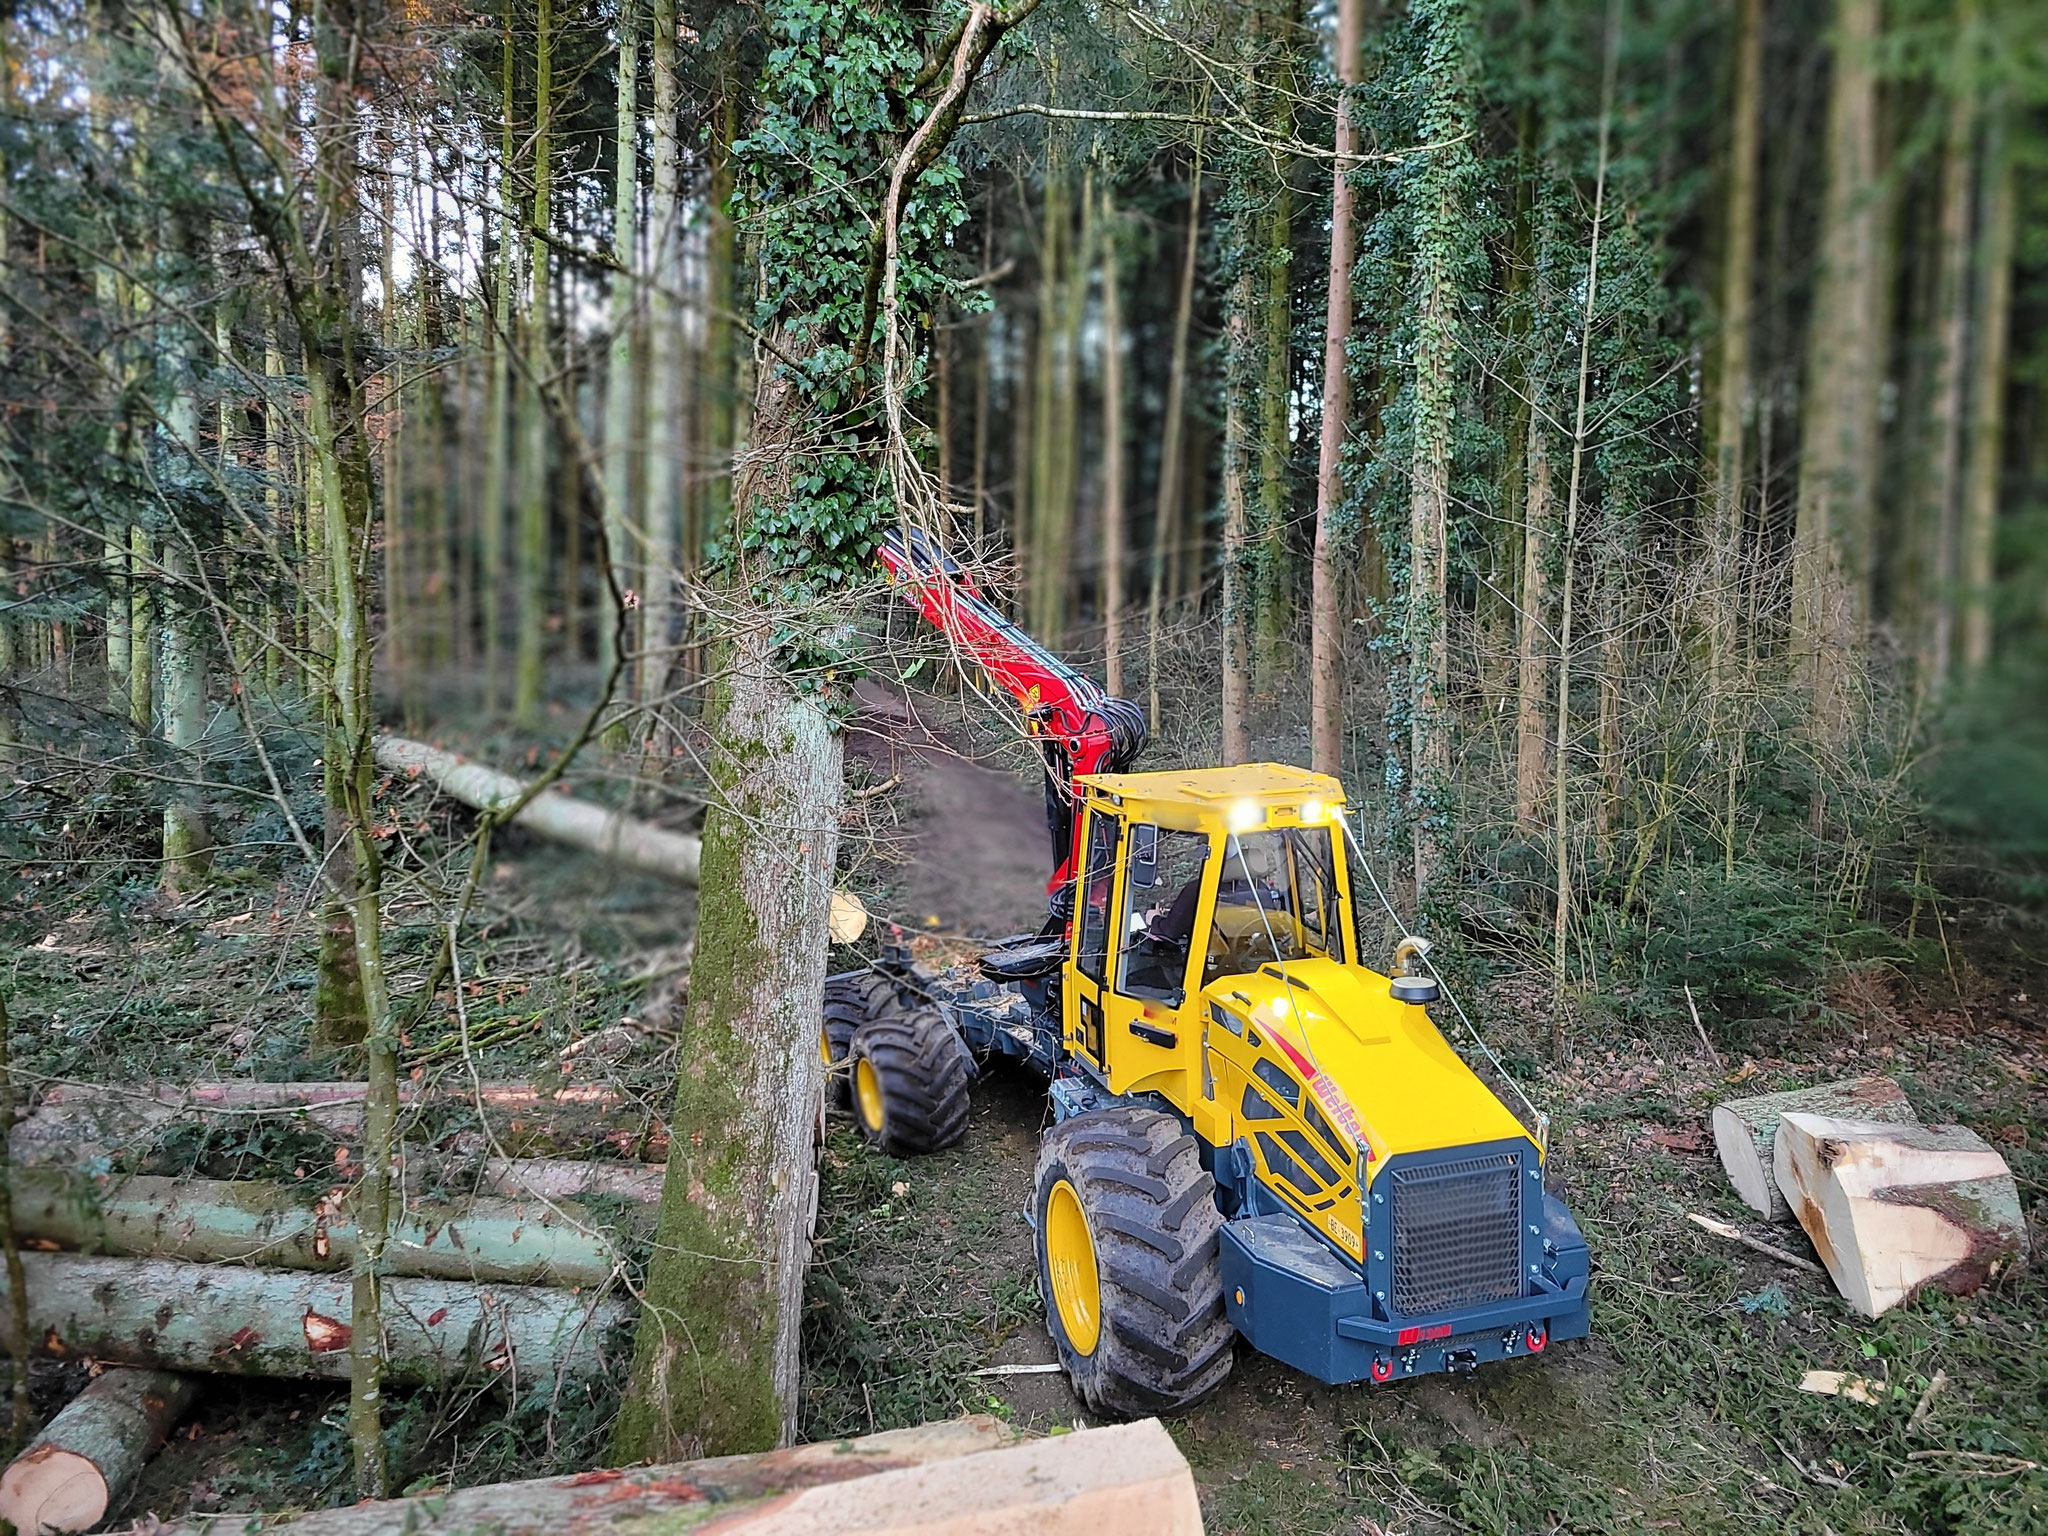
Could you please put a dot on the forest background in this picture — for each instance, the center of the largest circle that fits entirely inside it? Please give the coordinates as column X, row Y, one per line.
column 1659, row 553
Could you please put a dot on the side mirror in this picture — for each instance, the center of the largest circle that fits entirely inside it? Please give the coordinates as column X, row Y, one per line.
column 1144, row 855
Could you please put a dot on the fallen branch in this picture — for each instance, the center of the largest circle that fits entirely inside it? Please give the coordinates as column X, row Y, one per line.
column 256, row 1322
column 88, row 1459
column 578, row 823
column 1768, row 1250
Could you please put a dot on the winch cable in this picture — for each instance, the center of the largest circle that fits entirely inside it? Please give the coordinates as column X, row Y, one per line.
column 1273, row 943
column 1542, row 1118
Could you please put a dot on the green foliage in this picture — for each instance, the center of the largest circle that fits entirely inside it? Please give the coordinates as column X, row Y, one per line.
column 836, row 108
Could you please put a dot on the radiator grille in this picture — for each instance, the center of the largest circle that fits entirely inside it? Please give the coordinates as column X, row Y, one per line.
column 1457, row 1233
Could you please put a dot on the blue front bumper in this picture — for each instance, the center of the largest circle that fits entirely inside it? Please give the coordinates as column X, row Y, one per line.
column 1294, row 1298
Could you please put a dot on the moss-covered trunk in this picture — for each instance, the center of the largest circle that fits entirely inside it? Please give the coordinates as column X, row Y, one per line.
column 715, row 1364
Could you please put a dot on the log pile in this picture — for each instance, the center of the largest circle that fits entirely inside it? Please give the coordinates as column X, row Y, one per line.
column 1893, row 1207
column 169, row 1278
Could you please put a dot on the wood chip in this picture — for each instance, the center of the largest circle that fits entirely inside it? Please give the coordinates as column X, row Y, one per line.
column 1858, row 1389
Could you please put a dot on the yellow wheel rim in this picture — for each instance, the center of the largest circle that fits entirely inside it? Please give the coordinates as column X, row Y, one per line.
column 824, row 1048
column 867, row 1088
column 1070, row 1260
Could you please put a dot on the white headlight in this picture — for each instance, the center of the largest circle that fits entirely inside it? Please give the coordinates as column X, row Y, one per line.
column 1245, row 815
column 1311, row 812
column 1279, row 1007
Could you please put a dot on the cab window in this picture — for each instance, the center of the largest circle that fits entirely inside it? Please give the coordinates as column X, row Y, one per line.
column 1098, row 877
column 1164, row 883
column 1276, row 899
column 1315, row 886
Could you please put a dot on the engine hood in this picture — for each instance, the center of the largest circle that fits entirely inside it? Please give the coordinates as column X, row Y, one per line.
column 1411, row 1091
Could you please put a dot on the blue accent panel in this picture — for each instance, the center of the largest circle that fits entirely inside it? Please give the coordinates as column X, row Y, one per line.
column 1305, row 1305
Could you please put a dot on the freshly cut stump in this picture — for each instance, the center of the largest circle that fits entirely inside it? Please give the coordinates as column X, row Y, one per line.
column 1894, row 1209
column 850, row 1001
column 1745, row 1130
column 910, row 1076
column 85, row 1464
column 1127, row 1225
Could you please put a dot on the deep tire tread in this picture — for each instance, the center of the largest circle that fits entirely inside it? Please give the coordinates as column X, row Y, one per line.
column 1166, row 1341
column 850, row 1001
column 924, row 1070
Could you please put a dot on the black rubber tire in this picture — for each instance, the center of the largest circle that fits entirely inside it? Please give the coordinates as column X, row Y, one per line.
column 1165, row 1342
column 850, row 1001
column 923, row 1070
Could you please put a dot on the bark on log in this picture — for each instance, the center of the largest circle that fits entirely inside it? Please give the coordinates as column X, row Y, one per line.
column 1893, row 1209
column 279, row 1226
column 969, row 1478
column 578, row 823
column 254, row 1322
column 1745, row 1131
column 78, row 1122
column 87, row 1461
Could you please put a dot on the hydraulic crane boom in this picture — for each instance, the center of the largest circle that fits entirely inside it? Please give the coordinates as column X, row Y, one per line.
column 1079, row 728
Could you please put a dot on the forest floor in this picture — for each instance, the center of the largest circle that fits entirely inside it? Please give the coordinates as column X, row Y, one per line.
column 1682, row 1412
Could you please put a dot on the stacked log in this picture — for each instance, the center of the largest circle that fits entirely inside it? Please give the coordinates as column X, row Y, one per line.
column 83, row 1121
column 220, row 1221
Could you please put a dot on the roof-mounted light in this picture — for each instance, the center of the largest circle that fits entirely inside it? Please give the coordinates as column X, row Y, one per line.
column 1245, row 815
column 1311, row 812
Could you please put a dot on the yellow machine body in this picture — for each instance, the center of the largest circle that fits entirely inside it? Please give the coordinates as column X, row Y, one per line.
column 1305, row 1011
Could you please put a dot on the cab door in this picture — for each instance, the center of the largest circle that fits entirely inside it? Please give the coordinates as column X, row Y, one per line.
column 1094, row 937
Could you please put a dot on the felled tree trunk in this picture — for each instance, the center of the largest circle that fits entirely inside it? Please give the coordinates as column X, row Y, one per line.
column 214, row 1221
column 526, row 1122
column 255, row 1322
column 606, row 1502
column 1745, row 1130
column 86, row 1463
column 972, row 1477
column 1894, row 1209
column 578, row 823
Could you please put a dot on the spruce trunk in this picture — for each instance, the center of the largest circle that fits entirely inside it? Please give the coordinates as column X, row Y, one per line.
column 1326, row 639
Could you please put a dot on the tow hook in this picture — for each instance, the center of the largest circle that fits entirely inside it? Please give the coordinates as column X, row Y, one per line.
column 1466, row 1360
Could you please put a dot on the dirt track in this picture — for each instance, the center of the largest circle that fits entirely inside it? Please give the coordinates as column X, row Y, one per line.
column 975, row 847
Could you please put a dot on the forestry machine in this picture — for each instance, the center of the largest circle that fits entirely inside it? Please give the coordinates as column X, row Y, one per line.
column 1254, row 1131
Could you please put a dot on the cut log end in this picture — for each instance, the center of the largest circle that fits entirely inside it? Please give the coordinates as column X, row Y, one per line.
column 1745, row 1131
column 53, row 1490
column 1896, row 1209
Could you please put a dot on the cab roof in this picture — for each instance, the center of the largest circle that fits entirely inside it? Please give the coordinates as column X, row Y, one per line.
column 1216, row 789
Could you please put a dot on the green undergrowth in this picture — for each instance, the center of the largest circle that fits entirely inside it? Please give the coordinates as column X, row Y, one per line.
column 918, row 1275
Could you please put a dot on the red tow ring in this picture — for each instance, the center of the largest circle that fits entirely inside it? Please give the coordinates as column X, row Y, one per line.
column 1536, row 1340
column 1382, row 1369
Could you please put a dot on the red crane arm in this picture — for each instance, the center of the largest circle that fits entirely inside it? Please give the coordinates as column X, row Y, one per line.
column 1079, row 728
